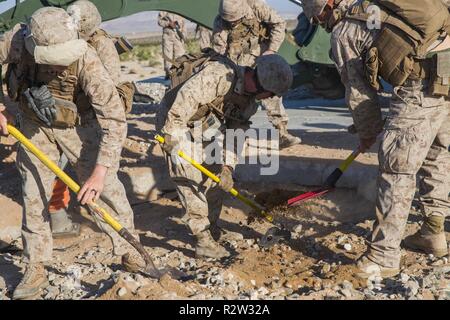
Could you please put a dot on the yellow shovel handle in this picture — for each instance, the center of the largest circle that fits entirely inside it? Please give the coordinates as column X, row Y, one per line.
column 347, row 162
column 216, row 179
column 62, row 175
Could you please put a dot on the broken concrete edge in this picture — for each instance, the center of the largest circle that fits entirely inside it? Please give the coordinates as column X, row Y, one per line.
column 146, row 182
column 360, row 177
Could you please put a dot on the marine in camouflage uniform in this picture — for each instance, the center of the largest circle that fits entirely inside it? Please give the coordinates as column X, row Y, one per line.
column 245, row 30
column 415, row 142
column 204, row 37
column 173, row 38
column 71, row 68
column 86, row 14
column 226, row 86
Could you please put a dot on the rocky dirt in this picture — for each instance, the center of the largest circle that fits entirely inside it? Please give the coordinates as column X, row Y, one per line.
column 327, row 235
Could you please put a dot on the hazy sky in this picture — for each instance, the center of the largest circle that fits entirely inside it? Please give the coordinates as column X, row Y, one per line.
column 281, row 5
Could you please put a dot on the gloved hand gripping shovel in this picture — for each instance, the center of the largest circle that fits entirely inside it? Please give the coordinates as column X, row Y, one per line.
column 278, row 231
column 150, row 269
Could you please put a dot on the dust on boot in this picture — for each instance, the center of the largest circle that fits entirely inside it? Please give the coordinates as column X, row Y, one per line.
column 61, row 223
column 430, row 238
column 367, row 268
column 32, row 282
column 208, row 248
column 286, row 139
column 133, row 262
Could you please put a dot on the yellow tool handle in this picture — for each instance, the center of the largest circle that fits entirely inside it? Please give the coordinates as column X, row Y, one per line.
column 216, row 179
column 62, row 175
column 347, row 162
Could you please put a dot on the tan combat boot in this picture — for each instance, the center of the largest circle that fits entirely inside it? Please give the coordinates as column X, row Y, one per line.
column 430, row 238
column 208, row 248
column 286, row 139
column 33, row 280
column 368, row 268
column 62, row 226
column 133, row 262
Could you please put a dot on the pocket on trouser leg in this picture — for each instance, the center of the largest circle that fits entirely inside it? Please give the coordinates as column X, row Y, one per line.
column 402, row 151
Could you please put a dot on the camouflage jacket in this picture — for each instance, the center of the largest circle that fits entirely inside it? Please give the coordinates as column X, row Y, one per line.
column 215, row 80
column 349, row 40
column 107, row 52
column 96, row 83
column 164, row 19
column 265, row 15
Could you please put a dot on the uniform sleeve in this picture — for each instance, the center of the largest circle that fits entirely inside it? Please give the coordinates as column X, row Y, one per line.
column 163, row 20
column 213, row 81
column 101, row 91
column 219, row 37
column 181, row 23
column 107, row 53
column 12, row 45
column 360, row 97
column 275, row 22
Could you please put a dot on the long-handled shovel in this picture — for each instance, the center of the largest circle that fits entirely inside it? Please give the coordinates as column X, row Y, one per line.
column 278, row 230
column 329, row 184
column 150, row 269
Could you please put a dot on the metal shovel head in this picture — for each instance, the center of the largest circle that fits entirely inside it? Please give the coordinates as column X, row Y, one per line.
column 308, row 195
column 273, row 236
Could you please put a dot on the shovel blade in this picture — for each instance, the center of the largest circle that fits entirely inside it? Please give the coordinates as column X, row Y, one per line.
column 273, row 236
column 308, row 195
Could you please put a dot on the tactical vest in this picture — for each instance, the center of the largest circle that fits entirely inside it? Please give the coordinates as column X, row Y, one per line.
column 230, row 107
column 399, row 51
column 62, row 85
column 246, row 38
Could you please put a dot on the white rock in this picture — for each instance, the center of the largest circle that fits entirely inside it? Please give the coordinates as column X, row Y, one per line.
column 346, row 292
column 253, row 282
column 263, row 291
column 404, row 277
column 121, row 292
column 298, row 228
column 347, row 247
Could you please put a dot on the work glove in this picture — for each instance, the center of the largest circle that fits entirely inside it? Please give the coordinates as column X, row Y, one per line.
column 42, row 102
column 226, row 179
column 170, row 143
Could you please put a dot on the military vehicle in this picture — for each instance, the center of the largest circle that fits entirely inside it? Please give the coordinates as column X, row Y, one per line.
column 306, row 49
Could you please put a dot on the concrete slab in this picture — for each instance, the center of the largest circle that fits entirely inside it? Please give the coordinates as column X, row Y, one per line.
column 322, row 124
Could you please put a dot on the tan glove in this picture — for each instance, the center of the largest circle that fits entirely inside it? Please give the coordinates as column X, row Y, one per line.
column 170, row 143
column 226, row 179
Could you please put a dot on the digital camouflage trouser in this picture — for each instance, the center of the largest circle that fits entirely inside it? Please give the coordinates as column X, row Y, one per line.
column 415, row 142
column 80, row 145
column 201, row 198
column 275, row 111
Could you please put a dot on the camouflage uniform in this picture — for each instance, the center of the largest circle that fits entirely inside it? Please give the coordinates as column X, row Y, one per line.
column 88, row 18
column 201, row 198
column 415, row 141
column 204, row 36
column 97, row 141
column 173, row 45
column 107, row 52
column 221, row 43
